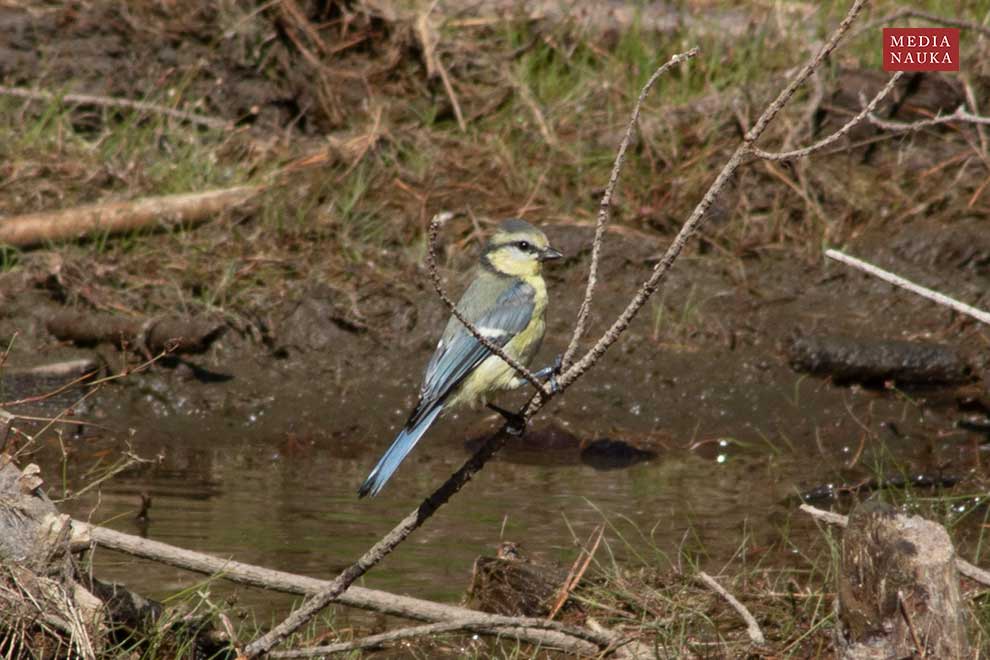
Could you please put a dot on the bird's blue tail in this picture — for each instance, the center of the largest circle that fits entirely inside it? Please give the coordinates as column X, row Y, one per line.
column 403, row 444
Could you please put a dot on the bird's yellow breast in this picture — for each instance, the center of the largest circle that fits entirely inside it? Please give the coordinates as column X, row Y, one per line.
column 494, row 374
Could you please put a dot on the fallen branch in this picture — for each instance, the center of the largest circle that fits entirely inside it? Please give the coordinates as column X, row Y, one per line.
column 115, row 217
column 897, row 280
column 149, row 336
column 372, row 641
column 974, row 573
column 110, row 102
column 555, row 636
column 752, row 627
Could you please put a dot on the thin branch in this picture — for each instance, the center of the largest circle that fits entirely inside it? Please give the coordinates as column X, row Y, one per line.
column 697, row 216
column 974, row 573
column 752, row 627
column 355, row 596
column 110, row 102
column 897, row 280
column 925, row 16
column 821, row 144
column 431, row 264
column 604, row 208
column 960, row 115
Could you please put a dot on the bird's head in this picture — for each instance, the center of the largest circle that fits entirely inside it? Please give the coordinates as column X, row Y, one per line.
column 518, row 248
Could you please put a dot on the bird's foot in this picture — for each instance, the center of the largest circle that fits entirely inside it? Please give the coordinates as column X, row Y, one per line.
column 516, row 422
column 550, row 374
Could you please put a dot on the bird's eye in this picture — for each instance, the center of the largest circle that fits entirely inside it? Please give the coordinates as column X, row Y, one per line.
column 524, row 245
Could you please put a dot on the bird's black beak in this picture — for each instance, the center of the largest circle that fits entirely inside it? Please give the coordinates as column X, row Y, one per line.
column 549, row 254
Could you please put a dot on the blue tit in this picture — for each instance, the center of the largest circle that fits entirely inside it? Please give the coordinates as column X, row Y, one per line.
column 507, row 302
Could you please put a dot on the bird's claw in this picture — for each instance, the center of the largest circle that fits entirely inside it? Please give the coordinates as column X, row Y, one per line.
column 515, row 423
column 550, row 374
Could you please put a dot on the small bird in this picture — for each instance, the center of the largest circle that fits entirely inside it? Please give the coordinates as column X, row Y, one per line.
column 506, row 301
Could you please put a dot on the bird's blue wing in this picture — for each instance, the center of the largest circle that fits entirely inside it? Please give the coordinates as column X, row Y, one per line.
column 460, row 352
column 457, row 355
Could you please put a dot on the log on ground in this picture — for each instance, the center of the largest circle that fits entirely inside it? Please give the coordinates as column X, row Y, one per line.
column 154, row 336
column 872, row 361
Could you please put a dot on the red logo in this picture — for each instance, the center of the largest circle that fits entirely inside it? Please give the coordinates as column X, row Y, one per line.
column 921, row 49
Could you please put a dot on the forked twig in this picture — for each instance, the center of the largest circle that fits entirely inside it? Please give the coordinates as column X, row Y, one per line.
column 412, row 521
column 431, row 264
column 824, row 142
column 604, row 208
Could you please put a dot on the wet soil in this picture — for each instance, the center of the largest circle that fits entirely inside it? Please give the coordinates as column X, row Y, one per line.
column 707, row 432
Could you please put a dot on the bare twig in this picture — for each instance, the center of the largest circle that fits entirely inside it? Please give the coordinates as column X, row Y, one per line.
column 468, row 623
column 431, row 263
column 752, row 627
column 411, row 522
column 974, row 573
column 925, row 16
column 960, row 115
column 897, row 280
column 604, row 208
column 110, row 102
column 693, row 223
column 824, row 142
column 574, row 576
column 115, row 217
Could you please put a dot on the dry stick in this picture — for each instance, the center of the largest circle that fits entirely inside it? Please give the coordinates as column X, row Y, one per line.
column 109, row 102
column 960, row 115
column 604, row 208
column 573, row 578
column 411, row 522
column 974, row 573
column 431, row 264
column 113, row 217
column 752, row 627
column 897, row 280
column 821, row 144
column 697, row 216
column 406, row 633
column 369, row 599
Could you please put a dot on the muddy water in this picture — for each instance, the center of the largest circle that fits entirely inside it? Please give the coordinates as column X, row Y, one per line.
column 264, row 468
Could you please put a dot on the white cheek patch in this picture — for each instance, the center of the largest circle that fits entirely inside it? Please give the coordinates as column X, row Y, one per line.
column 492, row 333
